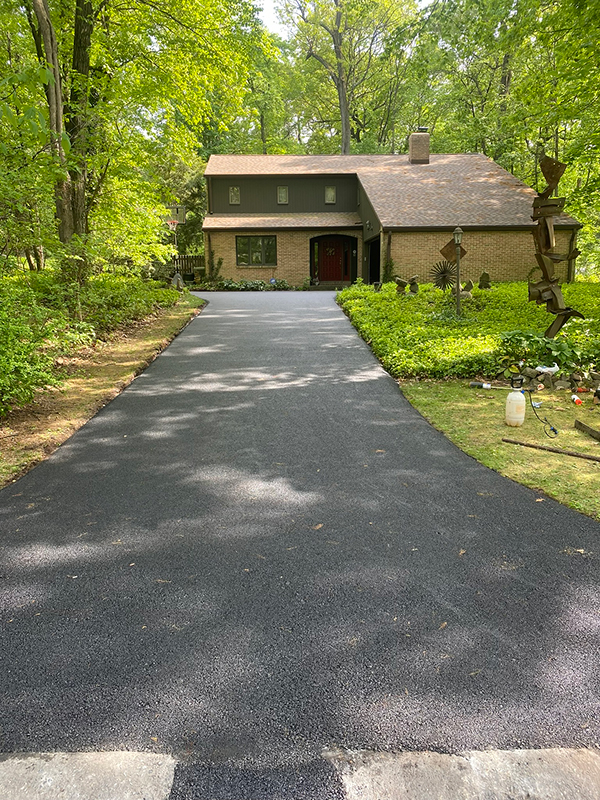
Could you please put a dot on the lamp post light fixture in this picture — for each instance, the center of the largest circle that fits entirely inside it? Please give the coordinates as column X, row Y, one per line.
column 457, row 234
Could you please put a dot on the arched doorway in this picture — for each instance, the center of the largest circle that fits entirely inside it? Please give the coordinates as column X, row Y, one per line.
column 333, row 258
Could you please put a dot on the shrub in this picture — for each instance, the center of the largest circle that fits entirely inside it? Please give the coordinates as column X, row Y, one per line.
column 42, row 317
column 243, row 285
column 25, row 366
column 110, row 301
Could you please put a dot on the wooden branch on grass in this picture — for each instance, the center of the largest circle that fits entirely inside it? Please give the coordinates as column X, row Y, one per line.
column 553, row 450
column 581, row 426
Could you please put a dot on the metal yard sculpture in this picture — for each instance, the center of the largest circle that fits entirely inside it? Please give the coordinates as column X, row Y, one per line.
column 545, row 208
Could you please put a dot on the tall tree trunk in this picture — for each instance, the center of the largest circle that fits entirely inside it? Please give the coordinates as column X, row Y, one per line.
column 54, row 96
column 505, row 78
column 341, row 83
column 263, row 132
column 77, row 118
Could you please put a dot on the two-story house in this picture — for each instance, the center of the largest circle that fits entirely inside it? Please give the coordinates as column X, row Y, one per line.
column 334, row 218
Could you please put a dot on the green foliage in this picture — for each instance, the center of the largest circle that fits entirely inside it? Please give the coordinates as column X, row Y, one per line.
column 388, row 270
column 109, row 301
column 24, row 365
column 42, row 317
column 229, row 285
column 420, row 335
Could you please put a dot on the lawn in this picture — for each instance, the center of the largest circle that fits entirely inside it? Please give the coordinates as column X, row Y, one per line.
column 419, row 340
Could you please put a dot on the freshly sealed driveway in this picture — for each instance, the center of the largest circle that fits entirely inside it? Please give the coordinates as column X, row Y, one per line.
column 260, row 550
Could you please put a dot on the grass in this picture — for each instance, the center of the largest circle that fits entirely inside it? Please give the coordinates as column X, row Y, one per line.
column 94, row 377
column 420, row 336
column 474, row 420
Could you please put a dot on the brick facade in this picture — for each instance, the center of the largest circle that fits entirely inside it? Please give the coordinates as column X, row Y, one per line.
column 293, row 254
column 506, row 255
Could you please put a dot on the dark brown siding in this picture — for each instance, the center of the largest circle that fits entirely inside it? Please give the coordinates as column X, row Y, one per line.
column 367, row 214
column 305, row 194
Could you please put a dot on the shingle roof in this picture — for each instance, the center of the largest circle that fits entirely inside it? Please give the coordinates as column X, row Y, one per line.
column 469, row 190
column 295, row 164
column 216, row 222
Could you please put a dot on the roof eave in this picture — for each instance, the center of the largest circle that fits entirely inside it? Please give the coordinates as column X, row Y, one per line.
column 432, row 228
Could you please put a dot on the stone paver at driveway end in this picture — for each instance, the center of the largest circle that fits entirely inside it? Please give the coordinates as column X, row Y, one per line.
column 491, row 775
column 260, row 550
column 86, row 776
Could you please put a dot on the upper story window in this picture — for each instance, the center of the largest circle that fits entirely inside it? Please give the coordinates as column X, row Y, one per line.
column 282, row 195
column 234, row 195
column 330, row 194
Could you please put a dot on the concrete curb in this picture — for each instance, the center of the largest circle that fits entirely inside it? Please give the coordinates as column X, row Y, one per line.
column 86, row 776
column 553, row 774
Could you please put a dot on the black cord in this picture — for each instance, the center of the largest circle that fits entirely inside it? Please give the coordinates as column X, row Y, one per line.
column 549, row 429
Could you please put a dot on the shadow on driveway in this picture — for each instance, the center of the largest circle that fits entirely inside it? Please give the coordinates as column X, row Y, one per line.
column 260, row 549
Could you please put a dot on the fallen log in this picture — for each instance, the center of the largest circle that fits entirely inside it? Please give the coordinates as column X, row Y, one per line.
column 553, row 450
column 581, row 426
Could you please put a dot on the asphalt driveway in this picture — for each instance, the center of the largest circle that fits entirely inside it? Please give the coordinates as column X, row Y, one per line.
column 260, row 550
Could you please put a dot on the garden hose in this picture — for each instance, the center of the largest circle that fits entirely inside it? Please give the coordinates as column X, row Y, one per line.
column 549, row 429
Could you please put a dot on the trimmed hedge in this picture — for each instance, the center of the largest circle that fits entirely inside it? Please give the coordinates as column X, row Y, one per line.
column 419, row 335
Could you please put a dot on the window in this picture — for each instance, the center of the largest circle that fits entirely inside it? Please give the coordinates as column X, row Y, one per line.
column 330, row 194
column 234, row 195
column 282, row 195
column 256, row 251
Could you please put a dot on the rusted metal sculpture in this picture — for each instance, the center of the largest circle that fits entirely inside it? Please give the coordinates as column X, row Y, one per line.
column 547, row 289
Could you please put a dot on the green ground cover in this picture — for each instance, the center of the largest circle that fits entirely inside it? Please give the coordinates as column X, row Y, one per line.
column 43, row 318
column 420, row 335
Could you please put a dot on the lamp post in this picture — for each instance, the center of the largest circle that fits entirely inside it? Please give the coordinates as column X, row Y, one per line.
column 458, row 234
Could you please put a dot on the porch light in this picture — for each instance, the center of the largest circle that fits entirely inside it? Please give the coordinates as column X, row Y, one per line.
column 458, row 234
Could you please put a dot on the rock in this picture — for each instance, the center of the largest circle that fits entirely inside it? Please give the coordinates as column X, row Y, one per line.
column 562, row 385
column 576, row 377
column 595, row 376
column 484, row 281
column 413, row 287
column 529, row 372
column 468, row 287
column 401, row 285
column 466, row 296
column 546, row 379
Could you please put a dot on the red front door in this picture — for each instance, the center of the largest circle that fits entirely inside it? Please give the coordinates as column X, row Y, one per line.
column 331, row 259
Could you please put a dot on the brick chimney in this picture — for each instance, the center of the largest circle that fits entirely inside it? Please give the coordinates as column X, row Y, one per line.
column 418, row 147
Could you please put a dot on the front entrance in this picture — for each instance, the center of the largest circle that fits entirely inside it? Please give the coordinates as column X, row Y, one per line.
column 374, row 250
column 333, row 259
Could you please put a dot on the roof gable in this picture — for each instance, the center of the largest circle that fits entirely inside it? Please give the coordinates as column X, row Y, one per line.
column 469, row 190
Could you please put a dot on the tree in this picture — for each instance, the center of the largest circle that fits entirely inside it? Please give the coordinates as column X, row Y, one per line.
column 116, row 76
column 347, row 38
